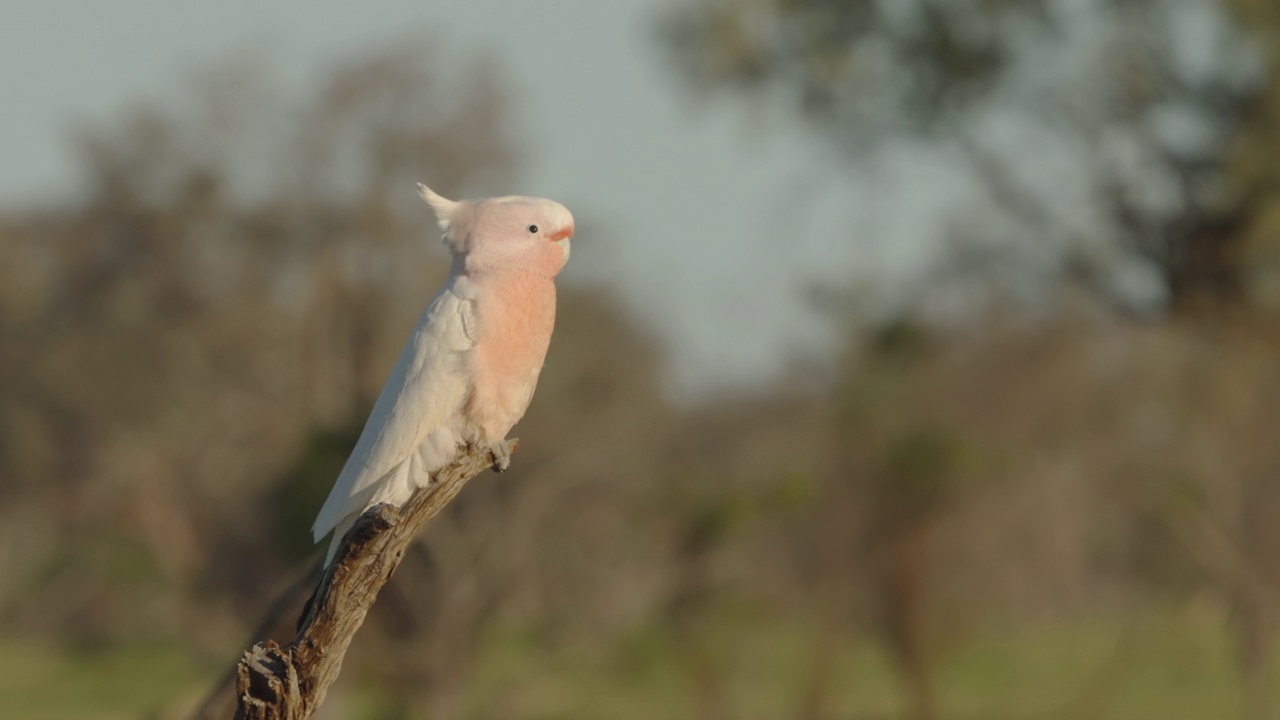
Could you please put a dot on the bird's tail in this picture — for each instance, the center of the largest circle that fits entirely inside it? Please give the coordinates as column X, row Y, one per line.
column 339, row 532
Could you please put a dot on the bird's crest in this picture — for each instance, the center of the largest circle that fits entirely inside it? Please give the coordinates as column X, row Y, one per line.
column 444, row 208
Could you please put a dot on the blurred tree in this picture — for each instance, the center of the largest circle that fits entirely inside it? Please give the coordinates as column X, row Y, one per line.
column 241, row 273
column 1099, row 130
column 1252, row 175
column 1126, row 146
column 905, row 471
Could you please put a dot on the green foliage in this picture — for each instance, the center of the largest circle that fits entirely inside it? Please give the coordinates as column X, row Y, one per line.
column 793, row 492
column 921, row 465
column 1156, row 664
column 297, row 498
column 42, row 682
column 979, row 514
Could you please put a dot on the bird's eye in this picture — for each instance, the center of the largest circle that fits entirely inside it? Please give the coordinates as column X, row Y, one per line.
column 533, row 229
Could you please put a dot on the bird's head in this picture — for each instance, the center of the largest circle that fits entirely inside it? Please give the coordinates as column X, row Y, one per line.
column 504, row 233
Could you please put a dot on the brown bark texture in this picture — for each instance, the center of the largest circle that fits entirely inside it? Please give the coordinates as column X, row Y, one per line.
column 290, row 682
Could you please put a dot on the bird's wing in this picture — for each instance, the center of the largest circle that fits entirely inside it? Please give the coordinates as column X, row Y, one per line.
column 426, row 391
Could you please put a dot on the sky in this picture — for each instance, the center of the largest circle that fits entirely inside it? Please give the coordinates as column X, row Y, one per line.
column 714, row 217
column 716, row 220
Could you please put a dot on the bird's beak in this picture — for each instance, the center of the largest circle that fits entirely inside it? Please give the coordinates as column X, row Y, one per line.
column 561, row 234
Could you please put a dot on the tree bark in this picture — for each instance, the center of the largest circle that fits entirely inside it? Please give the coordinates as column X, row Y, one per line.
column 289, row 683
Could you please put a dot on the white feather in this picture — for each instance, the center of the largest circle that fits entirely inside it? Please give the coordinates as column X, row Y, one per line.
column 416, row 424
column 444, row 208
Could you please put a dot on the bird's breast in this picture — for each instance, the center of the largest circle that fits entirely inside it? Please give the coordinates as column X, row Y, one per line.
column 515, row 316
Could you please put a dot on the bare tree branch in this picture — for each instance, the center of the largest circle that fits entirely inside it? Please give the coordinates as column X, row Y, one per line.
column 289, row 683
column 279, row 622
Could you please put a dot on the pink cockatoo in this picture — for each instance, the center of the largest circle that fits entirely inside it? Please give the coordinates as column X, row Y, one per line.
column 468, row 372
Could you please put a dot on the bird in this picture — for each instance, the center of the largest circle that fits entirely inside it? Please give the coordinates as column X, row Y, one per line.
column 468, row 371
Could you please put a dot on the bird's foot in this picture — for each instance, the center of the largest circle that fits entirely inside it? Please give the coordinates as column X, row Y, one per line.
column 500, row 453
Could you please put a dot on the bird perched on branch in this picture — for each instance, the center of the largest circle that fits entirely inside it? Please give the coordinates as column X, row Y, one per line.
column 468, row 372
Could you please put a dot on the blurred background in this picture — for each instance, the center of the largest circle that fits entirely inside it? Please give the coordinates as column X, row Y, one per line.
column 917, row 358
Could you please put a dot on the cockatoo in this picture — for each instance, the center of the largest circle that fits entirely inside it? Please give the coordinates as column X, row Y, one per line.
column 468, row 371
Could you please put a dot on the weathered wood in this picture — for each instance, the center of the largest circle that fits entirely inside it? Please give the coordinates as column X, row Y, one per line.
column 289, row 683
column 279, row 623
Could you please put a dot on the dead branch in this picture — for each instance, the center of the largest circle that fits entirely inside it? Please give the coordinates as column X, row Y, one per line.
column 279, row 622
column 289, row 683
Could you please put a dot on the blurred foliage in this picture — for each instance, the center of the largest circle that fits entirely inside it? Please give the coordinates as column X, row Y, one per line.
column 1124, row 148
column 1076, row 516
column 294, row 498
column 1104, row 134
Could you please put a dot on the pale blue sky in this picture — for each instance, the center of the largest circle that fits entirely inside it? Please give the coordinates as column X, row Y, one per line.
column 714, row 220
